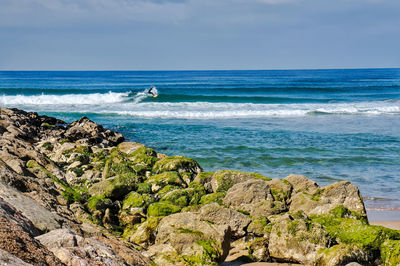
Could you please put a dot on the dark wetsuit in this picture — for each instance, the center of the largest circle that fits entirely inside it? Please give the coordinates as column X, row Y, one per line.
column 150, row 91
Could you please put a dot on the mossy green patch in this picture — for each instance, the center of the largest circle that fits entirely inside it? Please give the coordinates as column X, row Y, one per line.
column 143, row 188
column 133, row 200
column 162, row 209
column 352, row 231
column 77, row 170
column 116, row 187
column 213, row 197
column 203, row 177
column 390, row 252
column 166, row 178
column 98, row 203
column 47, row 145
column 176, row 163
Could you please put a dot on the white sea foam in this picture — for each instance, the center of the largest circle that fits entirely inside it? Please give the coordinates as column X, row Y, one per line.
column 133, row 105
column 66, row 99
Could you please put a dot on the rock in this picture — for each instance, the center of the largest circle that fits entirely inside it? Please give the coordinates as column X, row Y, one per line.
column 43, row 219
column 257, row 226
column 115, row 187
column 86, row 131
column 179, row 164
column 301, row 183
column 280, row 189
column 129, row 147
column 222, row 180
column 224, row 216
column 253, row 197
column 144, row 235
column 297, row 241
column 165, row 254
column 390, row 252
column 16, row 233
column 195, row 240
column 327, row 198
column 73, row 249
column 343, row 254
column 162, row 208
column 166, row 178
column 9, row 259
column 130, row 255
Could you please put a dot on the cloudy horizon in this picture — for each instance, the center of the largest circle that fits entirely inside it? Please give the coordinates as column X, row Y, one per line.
column 198, row 34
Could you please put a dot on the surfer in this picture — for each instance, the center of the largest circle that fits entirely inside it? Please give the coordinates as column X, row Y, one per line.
column 150, row 91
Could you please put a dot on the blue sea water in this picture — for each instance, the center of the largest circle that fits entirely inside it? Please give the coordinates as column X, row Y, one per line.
column 329, row 125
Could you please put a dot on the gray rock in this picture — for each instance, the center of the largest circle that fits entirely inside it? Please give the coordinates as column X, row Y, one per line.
column 9, row 259
column 73, row 249
column 327, row 198
column 193, row 238
column 43, row 219
column 297, row 241
column 224, row 216
column 253, row 196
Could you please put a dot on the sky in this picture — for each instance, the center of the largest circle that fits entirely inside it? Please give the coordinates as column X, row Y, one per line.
column 198, row 34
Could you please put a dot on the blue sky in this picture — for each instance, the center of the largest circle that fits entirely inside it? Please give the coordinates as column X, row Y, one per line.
column 198, row 34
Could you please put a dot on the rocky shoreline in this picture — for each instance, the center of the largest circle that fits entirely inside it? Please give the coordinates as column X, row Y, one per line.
column 77, row 194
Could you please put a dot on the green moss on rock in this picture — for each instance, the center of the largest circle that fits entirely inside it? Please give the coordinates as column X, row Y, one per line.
column 177, row 163
column 166, row 178
column 114, row 188
column 213, row 197
column 390, row 252
column 98, row 203
column 162, row 209
column 353, row 231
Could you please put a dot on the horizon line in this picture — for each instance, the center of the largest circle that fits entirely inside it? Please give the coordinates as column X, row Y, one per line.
column 183, row 70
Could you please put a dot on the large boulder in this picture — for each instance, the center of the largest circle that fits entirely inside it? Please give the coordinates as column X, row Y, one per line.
column 87, row 131
column 16, row 238
column 43, row 219
column 297, row 240
column 195, row 240
column 179, row 164
column 222, row 180
column 301, row 183
column 73, row 249
column 254, row 197
column 325, row 199
column 343, row 254
column 224, row 216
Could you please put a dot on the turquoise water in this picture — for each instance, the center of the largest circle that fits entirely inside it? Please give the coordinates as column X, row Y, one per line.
column 329, row 125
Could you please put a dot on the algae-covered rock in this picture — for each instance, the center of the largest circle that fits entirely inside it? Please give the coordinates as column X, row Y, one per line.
column 144, row 235
column 222, row 180
column 179, row 197
column 166, row 178
column 225, row 216
column 257, row 225
column 327, row 198
column 115, row 187
column 179, row 164
column 213, row 197
column 390, row 252
column 165, row 254
column 354, row 231
column 280, row 189
column 343, row 254
column 297, row 240
column 196, row 241
column 144, row 156
column 162, row 208
column 254, row 197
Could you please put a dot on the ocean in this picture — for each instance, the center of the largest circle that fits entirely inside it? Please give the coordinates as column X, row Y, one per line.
column 328, row 125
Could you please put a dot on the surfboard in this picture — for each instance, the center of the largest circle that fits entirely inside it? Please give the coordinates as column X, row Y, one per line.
column 155, row 95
